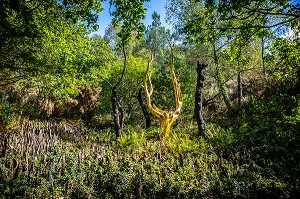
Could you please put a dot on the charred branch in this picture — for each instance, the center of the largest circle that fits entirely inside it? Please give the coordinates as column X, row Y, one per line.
column 118, row 111
column 198, row 98
column 144, row 108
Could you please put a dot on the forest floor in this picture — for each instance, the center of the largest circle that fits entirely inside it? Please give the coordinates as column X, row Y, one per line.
column 254, row 154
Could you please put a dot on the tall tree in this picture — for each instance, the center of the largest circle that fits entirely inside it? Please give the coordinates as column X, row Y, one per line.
column 127, row 15
column 223, row 24
column 24, row 25
column 198, row 17
column 21, row 18
column 155, row 35
column 118, row 111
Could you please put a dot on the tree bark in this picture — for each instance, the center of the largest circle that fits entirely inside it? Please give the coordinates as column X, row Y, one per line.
column 298, row 78
column 198, row 98
column 262, row 57
column 240, row 91
column 144, row 108
column 118, row 113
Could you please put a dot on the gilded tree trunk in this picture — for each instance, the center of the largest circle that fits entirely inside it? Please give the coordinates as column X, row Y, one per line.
column 166, row 118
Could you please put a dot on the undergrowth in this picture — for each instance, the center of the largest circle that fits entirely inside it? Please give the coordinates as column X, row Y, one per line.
column 255, row 155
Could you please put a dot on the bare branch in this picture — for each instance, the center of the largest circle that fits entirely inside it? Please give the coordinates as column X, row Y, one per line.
column 182, row 71
column 124, row 68
column 210, row 101
column 147, row 78
column 108, row 83
column 264, row 11
column 257, row 26
column 12, row 82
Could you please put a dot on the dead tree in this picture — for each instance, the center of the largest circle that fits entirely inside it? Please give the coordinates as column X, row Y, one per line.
column 144, row 108
column 118, row 111
column 166, row 119
column 198, row 98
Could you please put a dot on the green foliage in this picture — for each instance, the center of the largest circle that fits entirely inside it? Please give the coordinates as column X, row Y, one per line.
column 131, row 140
column 128, row 14
column 220, row 136
column 22, row 18
column 53, row 71
column 156, row 39
column 129, row 86
column 275, row 109
column 285, row 59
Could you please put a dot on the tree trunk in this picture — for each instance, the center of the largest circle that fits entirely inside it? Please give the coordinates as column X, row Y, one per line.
column 298, row 78
column 240, row 91
column 262, row 57
column 220, row 80
column 144, row 108
column 116, row 101
column 198, row 98
column 118, row 113
column 223, row 89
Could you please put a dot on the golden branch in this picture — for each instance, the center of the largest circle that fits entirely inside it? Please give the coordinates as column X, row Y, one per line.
column 166, row 119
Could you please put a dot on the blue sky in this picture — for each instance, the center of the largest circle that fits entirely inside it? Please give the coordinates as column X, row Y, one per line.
column 154, row 5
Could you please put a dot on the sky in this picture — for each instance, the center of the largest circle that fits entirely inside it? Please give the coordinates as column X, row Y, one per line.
column 154, row 5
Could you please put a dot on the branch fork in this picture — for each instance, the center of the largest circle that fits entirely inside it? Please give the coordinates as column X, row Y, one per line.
column 166, row 118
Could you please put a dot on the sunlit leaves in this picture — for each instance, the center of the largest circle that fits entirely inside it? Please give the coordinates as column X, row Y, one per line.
column 128, row 15
column 69, row 59
column 286, row 57
column 85, row 11
column 20, row 18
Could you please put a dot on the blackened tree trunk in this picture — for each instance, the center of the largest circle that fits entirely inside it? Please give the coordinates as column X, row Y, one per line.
column 144, row 108
column 198, row 98
column 118, row 113
column 116, row 102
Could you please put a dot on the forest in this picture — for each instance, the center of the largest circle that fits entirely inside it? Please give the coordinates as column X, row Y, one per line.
column 209, row 108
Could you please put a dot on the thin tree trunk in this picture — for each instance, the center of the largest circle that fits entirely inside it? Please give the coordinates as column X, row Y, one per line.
column 118, row 112
column 223, row 90
column 240, row 91
column 220, row 80
column 262, row 57
column 198, row 98
column 144, row 108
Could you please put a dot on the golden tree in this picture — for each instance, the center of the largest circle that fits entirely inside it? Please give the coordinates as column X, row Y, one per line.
column 165, row 118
